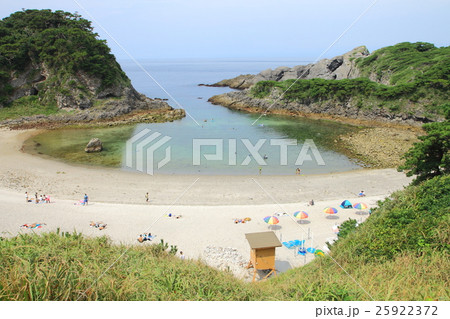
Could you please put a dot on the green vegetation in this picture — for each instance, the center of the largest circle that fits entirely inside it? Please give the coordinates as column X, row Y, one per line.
column 400, row 253
column 60, row 45
column 408, row 62
column 415, row 221
column 66, row 266
column 418, row 76
column 431, row 156
column 27, row 106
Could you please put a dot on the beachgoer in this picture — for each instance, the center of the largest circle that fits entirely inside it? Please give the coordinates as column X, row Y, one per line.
column 182, row 257
column 146, row 197
column 86, row 199
column 260, row 169
column 361, row 194
column 311, row 202
column 26, row 197
column 36, row 198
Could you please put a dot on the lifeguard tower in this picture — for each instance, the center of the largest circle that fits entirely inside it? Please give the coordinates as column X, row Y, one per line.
column 262, row 254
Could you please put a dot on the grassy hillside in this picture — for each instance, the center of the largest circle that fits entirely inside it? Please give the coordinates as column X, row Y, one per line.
column 408, row 78
column 400, row 253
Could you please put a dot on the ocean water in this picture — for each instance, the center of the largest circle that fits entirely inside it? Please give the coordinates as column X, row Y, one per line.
column 237, row 143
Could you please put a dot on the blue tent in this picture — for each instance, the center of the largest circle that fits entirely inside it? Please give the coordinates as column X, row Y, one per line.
column 346, row 204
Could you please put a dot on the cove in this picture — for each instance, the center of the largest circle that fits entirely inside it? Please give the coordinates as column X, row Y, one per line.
column 204, row 122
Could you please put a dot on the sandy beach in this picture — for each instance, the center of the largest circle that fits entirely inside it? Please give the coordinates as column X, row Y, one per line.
column 208, row 204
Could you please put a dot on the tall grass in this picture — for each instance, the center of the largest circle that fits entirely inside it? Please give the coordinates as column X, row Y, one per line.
column 67, row 266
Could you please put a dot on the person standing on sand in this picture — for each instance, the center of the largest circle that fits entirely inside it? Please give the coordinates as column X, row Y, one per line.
column 26, row 197
column 146, row 197
column 86, row 199
column 182, row 257
column 260, row 169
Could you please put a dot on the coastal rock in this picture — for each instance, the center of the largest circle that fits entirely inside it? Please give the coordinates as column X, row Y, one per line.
column 94, row 145
column 328, row 109
column 339, row 67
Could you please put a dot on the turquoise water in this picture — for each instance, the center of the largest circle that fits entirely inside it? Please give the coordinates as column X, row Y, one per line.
column 181, row 79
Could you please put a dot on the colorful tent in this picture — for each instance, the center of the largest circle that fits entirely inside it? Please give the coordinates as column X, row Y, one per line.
column 346, row 204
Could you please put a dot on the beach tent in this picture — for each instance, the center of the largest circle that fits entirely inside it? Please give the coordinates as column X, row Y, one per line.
column 346, row 204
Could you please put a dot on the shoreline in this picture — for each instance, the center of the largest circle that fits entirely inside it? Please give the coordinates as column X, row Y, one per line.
column 25, row 172
column 134, row 117
column 224, row 101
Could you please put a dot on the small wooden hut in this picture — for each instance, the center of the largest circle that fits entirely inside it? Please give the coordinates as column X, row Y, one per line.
column 262, row 254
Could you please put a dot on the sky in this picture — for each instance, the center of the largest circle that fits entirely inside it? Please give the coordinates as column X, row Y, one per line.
column 253, row 29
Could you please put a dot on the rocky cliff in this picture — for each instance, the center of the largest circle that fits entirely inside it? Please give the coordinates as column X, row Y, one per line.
column 53, row 61
column 339, row 67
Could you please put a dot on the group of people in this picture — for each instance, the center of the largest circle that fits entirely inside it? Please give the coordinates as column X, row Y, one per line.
column 99, row 225
column 38, row 199
column 145, row 237
column 175, row 216
column 242, row 221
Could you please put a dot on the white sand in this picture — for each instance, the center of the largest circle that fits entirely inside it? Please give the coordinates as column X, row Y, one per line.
column 208, row 207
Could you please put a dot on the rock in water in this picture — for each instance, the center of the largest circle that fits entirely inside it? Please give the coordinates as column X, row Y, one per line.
column 94, row 145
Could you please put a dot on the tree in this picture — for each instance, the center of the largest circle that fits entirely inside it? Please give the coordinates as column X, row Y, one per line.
column 431, row 156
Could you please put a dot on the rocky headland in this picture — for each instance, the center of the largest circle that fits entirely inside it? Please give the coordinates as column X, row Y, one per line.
column 339, row 67
column 59, row 73
column 394, row 85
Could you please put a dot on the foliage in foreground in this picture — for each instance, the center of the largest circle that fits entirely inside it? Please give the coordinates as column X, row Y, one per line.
column 67, row 266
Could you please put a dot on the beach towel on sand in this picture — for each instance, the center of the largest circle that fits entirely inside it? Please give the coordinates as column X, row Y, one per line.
column 32, row 226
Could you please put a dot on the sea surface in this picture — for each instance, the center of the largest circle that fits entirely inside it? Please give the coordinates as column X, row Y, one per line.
column 237, row 144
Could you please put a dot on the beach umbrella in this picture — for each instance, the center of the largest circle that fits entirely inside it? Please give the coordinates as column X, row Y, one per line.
column 271, row 220
column 330, row 210
column 301, row 215
column 360, row 206
column 319, row 252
